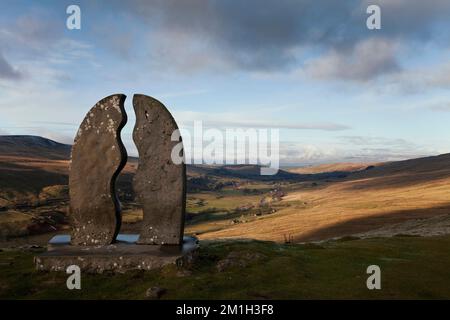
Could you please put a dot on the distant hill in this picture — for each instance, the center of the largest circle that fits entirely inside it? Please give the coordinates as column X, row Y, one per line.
column 398, row 197
column 334, row 167
column 33, row 146
column 320, row 202
column 36, row 147
column 250, row 172
column 29, row 164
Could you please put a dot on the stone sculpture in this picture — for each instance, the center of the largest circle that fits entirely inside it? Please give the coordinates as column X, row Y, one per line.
column 159, row 183
column 98, row 156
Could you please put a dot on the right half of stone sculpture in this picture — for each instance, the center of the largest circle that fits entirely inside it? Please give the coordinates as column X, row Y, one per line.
column 159, row 182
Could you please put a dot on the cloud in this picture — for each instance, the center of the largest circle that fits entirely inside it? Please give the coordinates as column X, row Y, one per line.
column 383, row 148
column 34, row 30
column 56, row 123
column 233, row 120
column 303, row 154
column 440, row 107
column 176, row 51
column 36, row 40
column 7, row 71
column 274, row 36
column 353, row 149
column 366, row 60
column 421, row 78
column 246, row 35
column 376, row 141
column 53, row 135
column 279, row 125
column 412, row 19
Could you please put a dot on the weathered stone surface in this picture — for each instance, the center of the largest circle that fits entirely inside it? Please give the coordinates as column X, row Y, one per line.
column 120, row 257
column 98, row 156
column 159, row 183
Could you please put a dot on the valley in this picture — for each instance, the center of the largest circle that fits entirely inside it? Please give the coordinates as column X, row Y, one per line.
column 235, row 202
column 307, row 233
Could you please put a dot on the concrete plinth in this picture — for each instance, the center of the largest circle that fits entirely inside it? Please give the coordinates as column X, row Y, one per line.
column 119, row 257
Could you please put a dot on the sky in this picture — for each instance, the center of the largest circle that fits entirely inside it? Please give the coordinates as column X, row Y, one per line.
column 337, row 91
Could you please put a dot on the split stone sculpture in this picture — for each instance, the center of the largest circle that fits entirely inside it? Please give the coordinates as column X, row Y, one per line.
column 98, row 156
column 159, row 183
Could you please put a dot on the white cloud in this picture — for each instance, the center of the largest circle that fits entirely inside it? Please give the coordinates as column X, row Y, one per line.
column 354, row 149
column 243, row 120
column 440, row 107
column 366, row 60
column 420, row 79
column 7, row 71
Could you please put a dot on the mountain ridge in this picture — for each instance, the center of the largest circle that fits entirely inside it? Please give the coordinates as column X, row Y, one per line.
column 40, row 147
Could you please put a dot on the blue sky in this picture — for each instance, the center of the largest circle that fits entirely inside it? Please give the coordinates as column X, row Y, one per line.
column 336, row 90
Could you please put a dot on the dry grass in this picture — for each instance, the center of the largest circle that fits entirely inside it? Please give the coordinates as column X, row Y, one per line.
column 342, row 166
column 13, row 223
column 367, row 200
column 388, row 194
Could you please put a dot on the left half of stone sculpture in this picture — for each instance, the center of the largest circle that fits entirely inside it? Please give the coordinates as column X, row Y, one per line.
column 98, row 156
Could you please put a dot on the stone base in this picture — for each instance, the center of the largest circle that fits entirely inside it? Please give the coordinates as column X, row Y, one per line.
column 122, row 256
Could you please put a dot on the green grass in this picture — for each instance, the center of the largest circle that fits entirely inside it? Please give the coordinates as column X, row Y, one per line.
column 220, row 201
column 412, row 267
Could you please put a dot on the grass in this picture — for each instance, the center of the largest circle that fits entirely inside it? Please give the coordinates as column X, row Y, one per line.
column 412, row 268
column 384, row 196
column 223, row 200
column 13, row 223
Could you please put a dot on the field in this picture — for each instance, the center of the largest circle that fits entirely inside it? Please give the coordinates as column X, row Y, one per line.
column 381, row 197
column 304, row 233
column 411, row 267
column 297, row 205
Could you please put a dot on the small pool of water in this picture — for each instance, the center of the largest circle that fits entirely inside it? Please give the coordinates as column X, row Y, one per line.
column 65, row 238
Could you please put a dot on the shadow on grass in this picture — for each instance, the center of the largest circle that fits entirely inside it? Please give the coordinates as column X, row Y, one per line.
column 400, row 174
column 368, row 223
